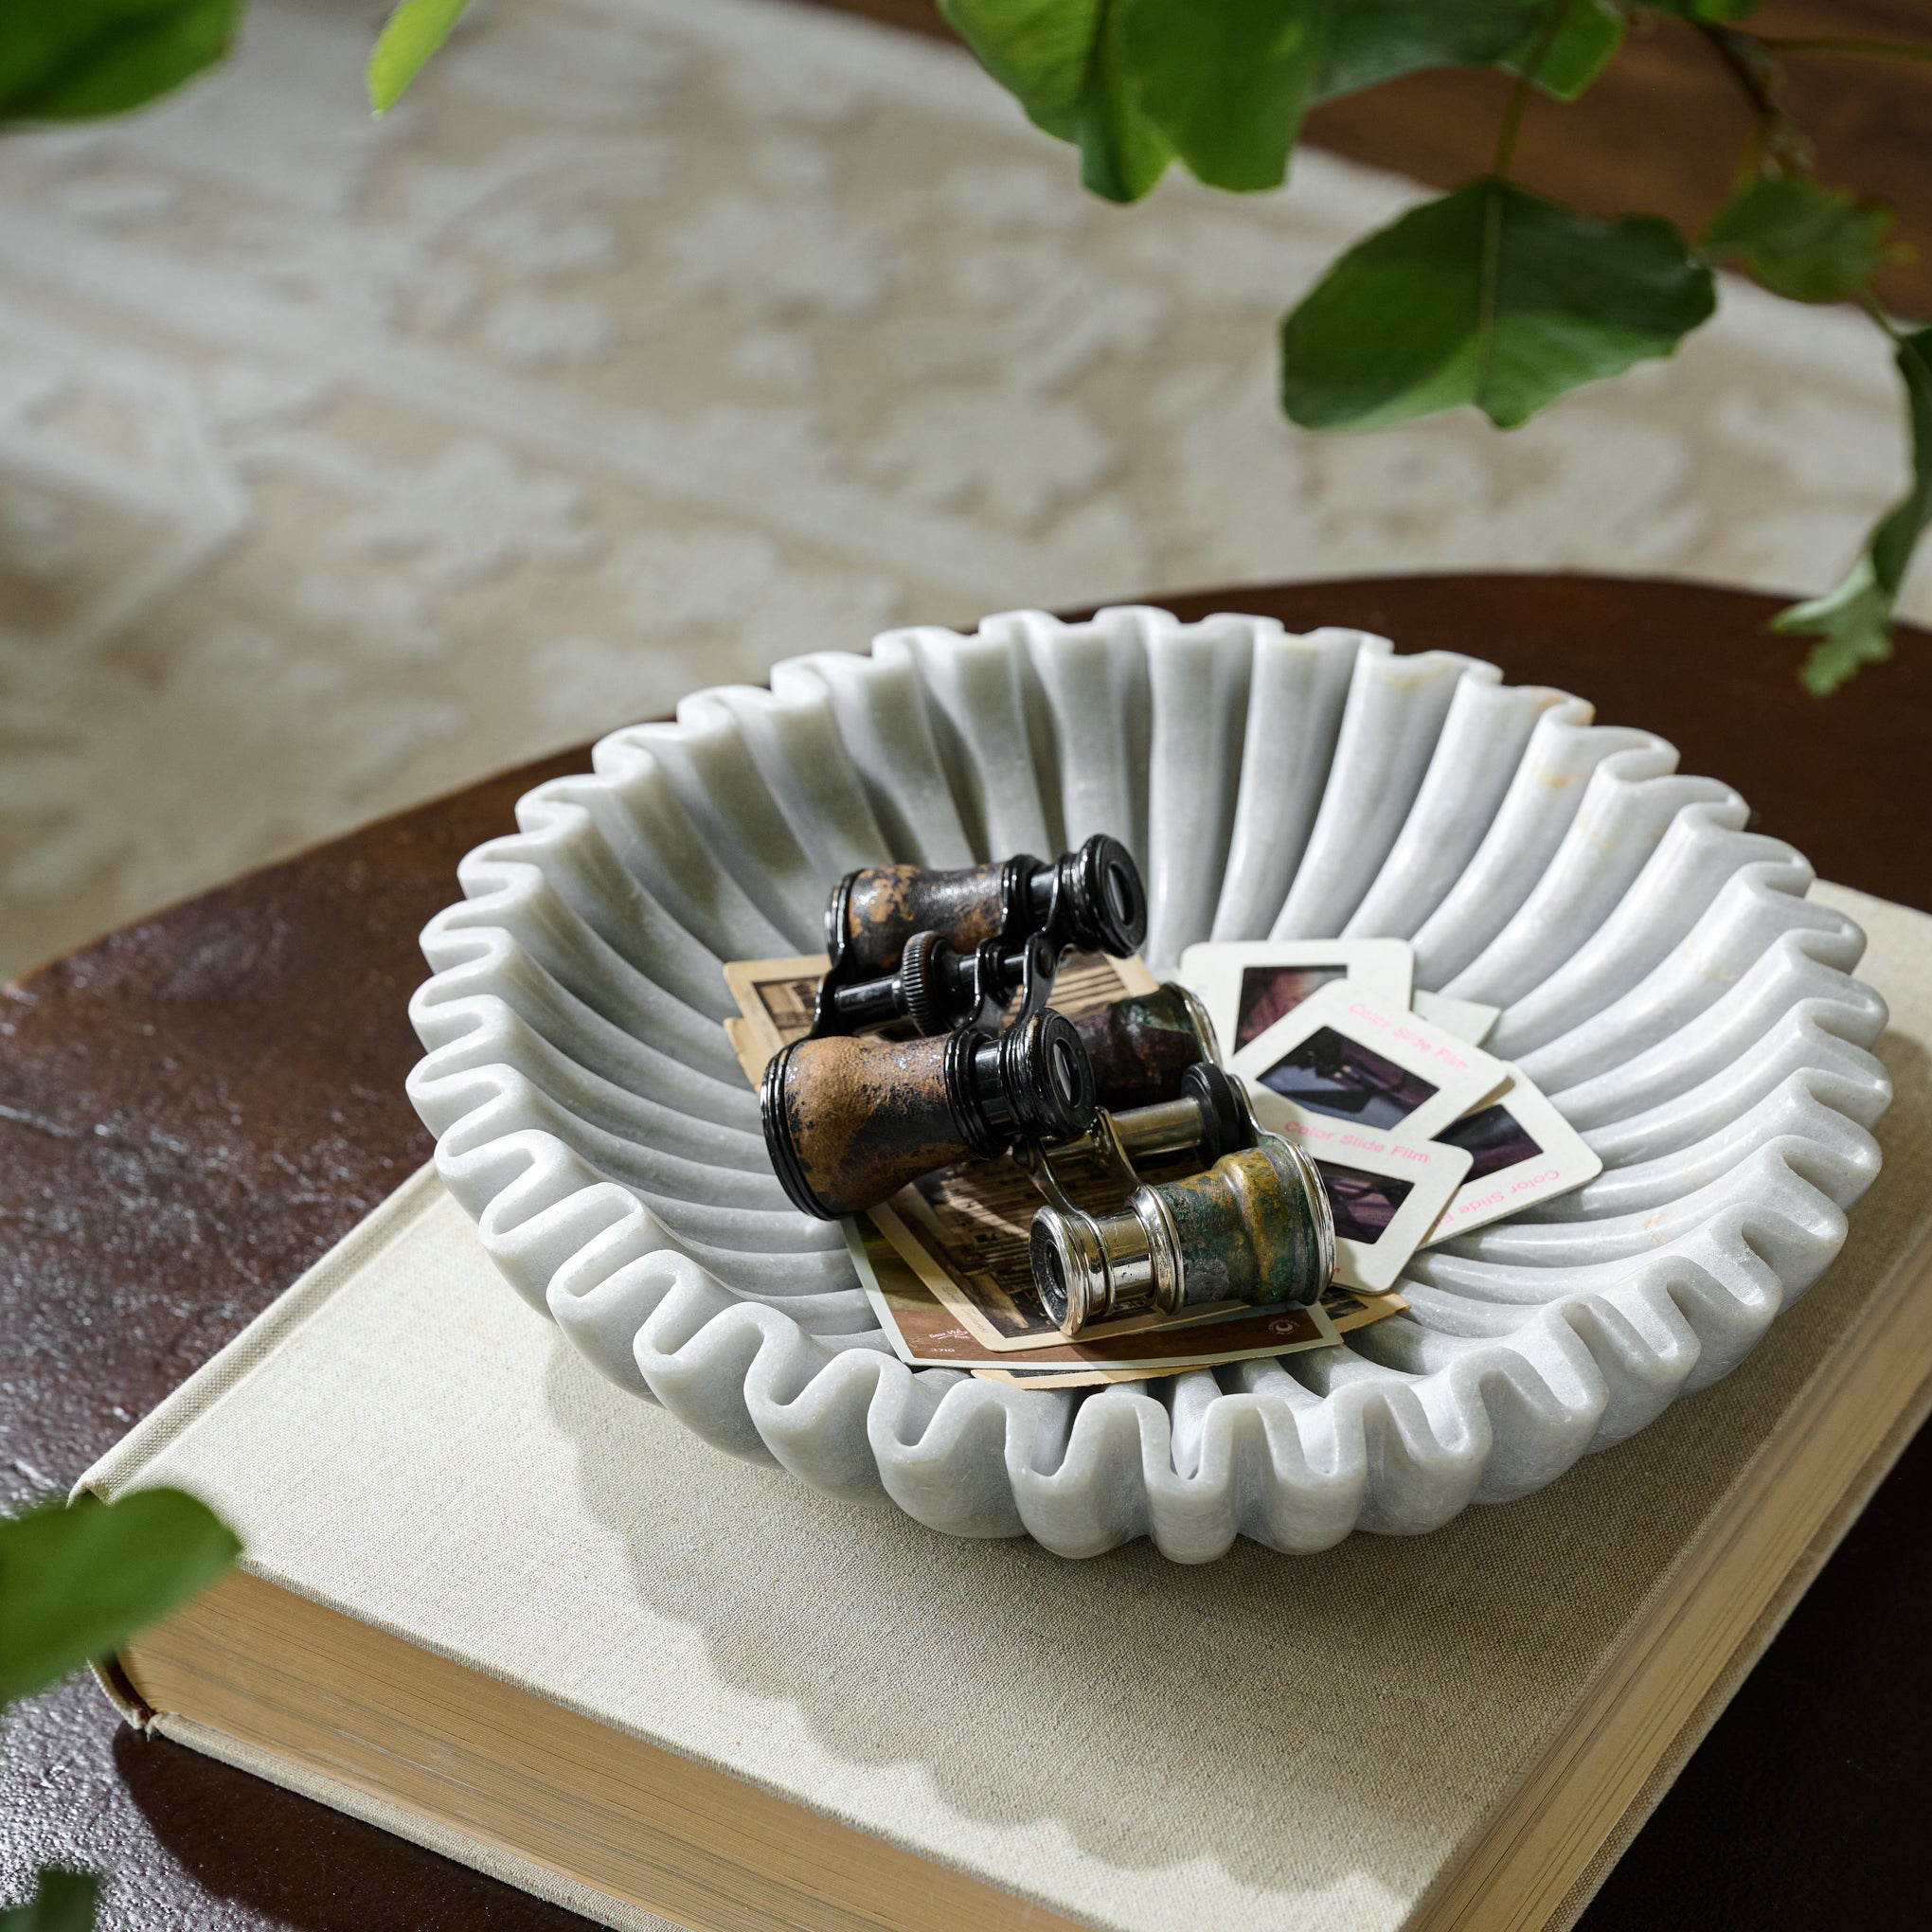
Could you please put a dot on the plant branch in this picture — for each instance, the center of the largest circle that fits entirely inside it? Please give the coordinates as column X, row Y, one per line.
column 1846, row 43
column 1779, row 139
column 1511, row 125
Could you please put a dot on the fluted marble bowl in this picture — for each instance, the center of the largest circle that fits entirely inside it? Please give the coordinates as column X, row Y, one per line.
column 1662, row 977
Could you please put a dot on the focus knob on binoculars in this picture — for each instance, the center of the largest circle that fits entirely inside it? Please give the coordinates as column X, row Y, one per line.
column 1091, row 899
column 851, row 1120
column 938, row 989
column 1256, row 1227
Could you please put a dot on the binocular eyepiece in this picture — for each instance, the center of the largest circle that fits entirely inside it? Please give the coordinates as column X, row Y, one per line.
column 849, row 1122
column 1256, row 1227
column 1091, row 899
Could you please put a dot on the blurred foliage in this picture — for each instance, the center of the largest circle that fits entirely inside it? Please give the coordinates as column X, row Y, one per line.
column 70, row 59
column 1490, row 295
column 74, row 1581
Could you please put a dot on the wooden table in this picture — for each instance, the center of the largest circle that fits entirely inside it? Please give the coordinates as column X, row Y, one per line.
column 193, row 1108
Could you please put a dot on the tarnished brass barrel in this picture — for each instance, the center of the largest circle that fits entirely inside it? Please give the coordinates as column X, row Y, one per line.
column 1091, row 898
column 849, row 1122
column 1141, row 1047
column 1256, row 1227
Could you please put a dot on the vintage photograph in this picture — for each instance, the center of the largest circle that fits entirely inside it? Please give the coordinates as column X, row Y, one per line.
column 1329, row 1073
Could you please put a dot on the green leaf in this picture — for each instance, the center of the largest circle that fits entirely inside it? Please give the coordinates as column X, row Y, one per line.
column 1038, row 50
column 1121, row 152
column 62, row 1902
column 74, row 1581
column 1588, row 34
column 1852, row 623
column 1374, row 40
column 1064, row 62
column 409, row 36
column 1490, row 295
column 1811, row 243
column 1226, row 82
column 71, row 59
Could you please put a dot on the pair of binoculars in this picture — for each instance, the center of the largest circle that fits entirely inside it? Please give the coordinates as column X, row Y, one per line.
column 944, row 950
column 849, row 1119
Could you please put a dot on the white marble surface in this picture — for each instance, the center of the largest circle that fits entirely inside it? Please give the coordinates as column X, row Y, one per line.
column 1661, row 974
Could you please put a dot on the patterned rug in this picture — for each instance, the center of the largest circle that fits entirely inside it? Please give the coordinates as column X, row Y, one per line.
column 648, row 342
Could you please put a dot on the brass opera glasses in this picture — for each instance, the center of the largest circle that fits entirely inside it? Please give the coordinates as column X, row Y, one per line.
column 1256, row 1226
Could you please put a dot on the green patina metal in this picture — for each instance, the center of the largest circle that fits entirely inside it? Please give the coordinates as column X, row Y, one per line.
column 1247, row 1229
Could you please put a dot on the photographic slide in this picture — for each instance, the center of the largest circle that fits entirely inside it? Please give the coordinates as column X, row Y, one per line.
column 1363, row 1203
column 1329, row 1073
column 1347, row 1054
column 1385, row 1192
column 1249, row 985
column 1495, row 1138
column 1522, row 1151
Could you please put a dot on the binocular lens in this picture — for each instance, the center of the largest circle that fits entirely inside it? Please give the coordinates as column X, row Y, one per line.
column 1110, row 900
column 1063, row 1071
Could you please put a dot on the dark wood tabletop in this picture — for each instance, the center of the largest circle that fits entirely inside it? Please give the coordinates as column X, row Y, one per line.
column 193, row 1108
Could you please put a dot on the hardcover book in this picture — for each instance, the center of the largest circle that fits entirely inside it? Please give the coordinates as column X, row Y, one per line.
column 516, row 1614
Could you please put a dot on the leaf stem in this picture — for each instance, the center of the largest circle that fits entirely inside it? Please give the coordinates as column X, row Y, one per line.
column 1486, row 283
column 1846, row 43
column 1873, row 308
column 1519, row 94
column 1778, row 138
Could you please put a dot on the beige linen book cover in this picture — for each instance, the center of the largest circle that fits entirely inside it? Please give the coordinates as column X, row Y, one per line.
column 1458, row 1729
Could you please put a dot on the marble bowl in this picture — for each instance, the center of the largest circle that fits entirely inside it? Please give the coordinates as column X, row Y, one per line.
column 1661, row 975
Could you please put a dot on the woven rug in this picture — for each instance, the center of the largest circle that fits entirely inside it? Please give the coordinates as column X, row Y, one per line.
column 648, row 342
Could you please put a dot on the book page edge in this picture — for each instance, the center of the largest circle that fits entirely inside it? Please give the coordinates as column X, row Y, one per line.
column 480, row 1855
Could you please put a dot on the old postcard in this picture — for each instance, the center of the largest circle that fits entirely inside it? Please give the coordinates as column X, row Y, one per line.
column 1344, row 1309
column 776, row 998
